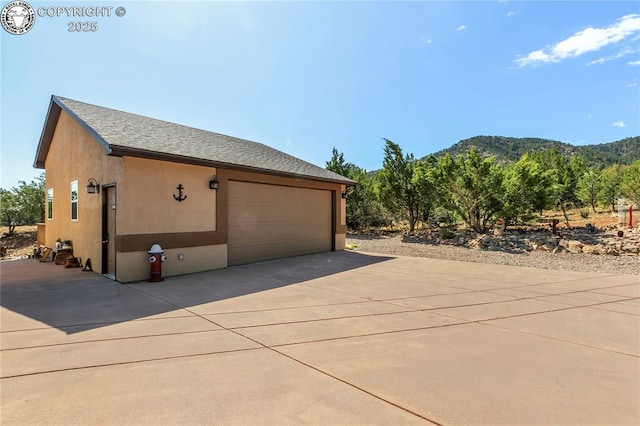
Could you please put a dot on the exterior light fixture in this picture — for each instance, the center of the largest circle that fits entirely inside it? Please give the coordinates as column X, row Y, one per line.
column 348, row 191
column 213, row 183
column 93, row 187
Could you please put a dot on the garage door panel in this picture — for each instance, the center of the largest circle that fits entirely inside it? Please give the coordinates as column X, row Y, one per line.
column 260, row 252
column 273, row 234
column 268, row 221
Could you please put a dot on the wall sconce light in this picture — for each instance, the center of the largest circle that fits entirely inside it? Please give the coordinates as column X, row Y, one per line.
column 348, row 191
column 213, row 183
column 93, row 187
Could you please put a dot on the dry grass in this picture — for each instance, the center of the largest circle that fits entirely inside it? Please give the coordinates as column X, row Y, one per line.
column 599, row 219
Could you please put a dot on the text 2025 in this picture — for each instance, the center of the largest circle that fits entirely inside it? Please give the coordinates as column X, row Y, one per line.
column 82, row 27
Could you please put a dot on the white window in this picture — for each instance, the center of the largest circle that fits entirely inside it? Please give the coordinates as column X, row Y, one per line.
column 74, row 200
column 50, row 203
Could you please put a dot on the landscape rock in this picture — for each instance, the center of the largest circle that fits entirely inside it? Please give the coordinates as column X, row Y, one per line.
column 528, row 246
column 591, row 249
column 594, row 241
column 572, row 246
column 612, row 252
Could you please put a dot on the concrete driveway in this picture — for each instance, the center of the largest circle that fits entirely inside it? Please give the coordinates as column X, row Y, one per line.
column 334, row 338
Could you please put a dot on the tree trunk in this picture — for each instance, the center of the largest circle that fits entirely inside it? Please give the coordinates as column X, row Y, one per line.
column 564, row 213
column 474, row 221
column 412, row 222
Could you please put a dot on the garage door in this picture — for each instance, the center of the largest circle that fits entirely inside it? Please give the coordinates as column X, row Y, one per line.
column 270, row 221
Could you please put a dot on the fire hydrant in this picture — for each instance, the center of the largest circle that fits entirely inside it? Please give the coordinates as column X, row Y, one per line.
column 156, row 258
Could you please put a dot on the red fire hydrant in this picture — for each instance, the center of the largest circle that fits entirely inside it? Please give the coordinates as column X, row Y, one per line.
column 156, row 258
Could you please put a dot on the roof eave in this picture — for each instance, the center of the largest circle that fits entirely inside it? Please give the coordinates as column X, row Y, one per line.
column 121, row 151
column 49, row 127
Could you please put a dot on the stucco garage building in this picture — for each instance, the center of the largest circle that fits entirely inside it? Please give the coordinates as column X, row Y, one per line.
column 156, row 183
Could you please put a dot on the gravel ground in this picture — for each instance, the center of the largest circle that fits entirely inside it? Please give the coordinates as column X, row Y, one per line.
column 394, row 245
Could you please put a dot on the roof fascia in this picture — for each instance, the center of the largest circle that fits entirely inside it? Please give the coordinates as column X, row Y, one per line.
column 120, row 151
column 56, row 105
column 89, row 129
column 48, row 128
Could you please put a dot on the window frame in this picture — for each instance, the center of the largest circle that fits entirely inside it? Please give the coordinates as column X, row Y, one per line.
column 50, row 204
column 74, row 191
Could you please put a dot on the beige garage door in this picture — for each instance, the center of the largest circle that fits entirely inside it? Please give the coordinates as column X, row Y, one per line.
column 270, row 221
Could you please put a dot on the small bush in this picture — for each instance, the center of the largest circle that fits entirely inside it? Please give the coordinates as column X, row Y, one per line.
column 446, row 233
column 442, row 218
column 585, row 213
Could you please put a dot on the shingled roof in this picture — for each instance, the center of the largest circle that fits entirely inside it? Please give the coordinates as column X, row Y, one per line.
column 123, row 133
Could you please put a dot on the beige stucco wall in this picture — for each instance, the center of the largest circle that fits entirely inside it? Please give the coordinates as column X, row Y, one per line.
column 341, row 240
column 146, row 202
column 41, row 233
column 134, row 266
column 75, row 155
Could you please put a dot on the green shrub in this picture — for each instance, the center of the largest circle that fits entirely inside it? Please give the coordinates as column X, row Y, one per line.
column 446, row 233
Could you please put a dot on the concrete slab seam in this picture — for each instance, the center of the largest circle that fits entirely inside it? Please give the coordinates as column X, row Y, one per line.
column 484, row 322
column 140, row 361
column 567, row 306
column 293, row 307
column 617, row 312
column 100, row 324
column 263, row 346
column 180, row 333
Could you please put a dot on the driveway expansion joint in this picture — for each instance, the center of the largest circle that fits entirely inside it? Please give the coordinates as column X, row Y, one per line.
column 272, row 348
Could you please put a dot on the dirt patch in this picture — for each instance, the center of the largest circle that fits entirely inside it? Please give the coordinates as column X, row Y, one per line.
column 20, row 244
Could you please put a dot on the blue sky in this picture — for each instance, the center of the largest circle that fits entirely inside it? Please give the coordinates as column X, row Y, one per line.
column 304, row 77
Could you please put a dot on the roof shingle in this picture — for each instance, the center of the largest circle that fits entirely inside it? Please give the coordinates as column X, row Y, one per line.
column 116, row 129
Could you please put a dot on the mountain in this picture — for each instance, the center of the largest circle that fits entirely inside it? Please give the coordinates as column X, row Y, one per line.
column 507, row 150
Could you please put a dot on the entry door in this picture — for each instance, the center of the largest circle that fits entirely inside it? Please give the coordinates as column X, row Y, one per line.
column 109, row 231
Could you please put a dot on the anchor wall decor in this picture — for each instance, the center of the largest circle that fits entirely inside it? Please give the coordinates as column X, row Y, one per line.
column 180, row 197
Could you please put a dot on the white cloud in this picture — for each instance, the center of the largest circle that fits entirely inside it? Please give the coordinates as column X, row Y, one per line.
column 426, row 40
column 502, row 1
column 634, row 63
column 624, row 52
column 598, row 61
column 461, row 27
column 588, row 117
column 588, row 40
column 631, row 84
column 619, row 124
column 509, row 14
